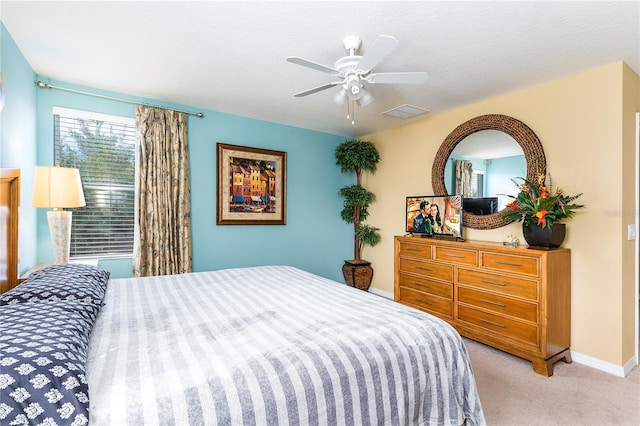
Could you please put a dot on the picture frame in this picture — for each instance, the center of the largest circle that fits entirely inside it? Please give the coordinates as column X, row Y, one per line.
column 252, row 185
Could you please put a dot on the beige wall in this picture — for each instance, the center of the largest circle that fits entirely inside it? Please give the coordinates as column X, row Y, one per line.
column 586, row 124
column 630, row 157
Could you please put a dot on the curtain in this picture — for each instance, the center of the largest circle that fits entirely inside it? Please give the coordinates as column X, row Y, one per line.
column 464, row 176
column 162, row 237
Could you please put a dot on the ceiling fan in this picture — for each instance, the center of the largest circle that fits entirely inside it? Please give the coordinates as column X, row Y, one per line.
column 353, row 71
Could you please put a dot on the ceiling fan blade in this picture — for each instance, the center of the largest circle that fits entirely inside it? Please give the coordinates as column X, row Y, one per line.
column 313, row 65
column 317, row 89
column 380, row 48
column 398, row 78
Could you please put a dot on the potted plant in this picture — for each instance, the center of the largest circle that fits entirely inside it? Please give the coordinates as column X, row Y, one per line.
column 541, row 209
column 356, row 156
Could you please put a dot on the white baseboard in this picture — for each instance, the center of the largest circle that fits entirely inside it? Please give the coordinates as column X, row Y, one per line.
column 630, row 365
column 381, row 293
column 607, row 367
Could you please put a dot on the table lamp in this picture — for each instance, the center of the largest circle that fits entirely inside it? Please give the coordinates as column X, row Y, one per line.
column 58, row 187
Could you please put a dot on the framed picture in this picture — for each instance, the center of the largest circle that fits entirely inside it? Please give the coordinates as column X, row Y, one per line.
column 252, row 186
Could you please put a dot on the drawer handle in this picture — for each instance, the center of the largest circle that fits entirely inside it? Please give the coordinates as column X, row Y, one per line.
column 421, row 285
column 426, row 302
column 422, row 268
column 493, row 283
column 501, row 262
column 413, row 249
column 459, row 256
column 491, row 302
column 492, row 323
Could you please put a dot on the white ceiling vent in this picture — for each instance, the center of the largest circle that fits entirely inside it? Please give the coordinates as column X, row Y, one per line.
column 405, row 111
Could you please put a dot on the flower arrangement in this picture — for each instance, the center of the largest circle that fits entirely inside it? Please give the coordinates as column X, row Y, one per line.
column 538, row 202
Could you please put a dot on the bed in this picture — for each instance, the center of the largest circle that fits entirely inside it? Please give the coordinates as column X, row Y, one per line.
column 246, row 346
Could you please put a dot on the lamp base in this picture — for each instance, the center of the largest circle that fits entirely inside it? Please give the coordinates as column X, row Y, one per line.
column 60, row 229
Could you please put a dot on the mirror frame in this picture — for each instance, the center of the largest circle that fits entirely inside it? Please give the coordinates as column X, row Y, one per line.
column 526, row 138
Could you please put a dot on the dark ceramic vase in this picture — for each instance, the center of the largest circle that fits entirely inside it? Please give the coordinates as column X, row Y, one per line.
column 548, row 238
column 358, row 273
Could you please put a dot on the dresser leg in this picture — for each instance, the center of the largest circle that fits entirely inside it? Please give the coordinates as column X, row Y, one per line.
column 545, row 366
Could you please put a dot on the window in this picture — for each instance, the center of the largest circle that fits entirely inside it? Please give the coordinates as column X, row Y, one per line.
column 102, row 147
column 477, row 184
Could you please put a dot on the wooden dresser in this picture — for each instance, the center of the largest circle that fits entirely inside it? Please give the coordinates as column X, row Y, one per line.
column 515, row 299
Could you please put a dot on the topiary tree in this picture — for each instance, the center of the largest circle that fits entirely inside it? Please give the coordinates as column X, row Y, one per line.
column 356, row 156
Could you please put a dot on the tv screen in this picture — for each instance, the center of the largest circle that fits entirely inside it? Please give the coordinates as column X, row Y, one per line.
column 437, row 215
column 481, row 206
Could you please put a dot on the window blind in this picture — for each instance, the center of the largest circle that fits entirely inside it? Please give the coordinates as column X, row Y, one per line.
column 102, row 147
column 477, row 184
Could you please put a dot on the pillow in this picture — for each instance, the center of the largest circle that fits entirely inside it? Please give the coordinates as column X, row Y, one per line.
column 43, row 351
column 72, row 270
column 71, row 281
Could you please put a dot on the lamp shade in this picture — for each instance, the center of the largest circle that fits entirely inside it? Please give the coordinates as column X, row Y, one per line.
column 57, row 187
column 341, row 97
column 365, row 99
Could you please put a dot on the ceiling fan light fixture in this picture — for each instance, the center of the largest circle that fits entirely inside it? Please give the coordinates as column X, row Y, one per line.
column 365, row 98
column 354, row 87
column 341, row 97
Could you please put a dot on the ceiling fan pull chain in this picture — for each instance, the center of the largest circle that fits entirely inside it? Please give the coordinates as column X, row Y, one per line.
column 353, row 113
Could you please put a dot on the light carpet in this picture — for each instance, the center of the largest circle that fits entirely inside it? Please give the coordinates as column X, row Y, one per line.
column 511, row 393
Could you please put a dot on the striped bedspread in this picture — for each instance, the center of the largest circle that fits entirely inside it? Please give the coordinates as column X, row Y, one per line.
column 271, row 345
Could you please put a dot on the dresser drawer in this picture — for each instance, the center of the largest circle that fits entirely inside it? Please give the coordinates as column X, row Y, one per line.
column 456, row 255
column 527, row 311
column 426, row 302
column 418, row 250
column 511, row 263
column 427, row 285
column 506, row 327
column 427, row 269
column 510, row 286
column 516, row 299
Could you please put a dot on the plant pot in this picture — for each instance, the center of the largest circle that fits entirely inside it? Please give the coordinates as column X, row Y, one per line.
column 547, row 238
column 357, row 273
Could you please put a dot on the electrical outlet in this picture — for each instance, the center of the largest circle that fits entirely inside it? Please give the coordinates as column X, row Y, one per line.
column 631, row 232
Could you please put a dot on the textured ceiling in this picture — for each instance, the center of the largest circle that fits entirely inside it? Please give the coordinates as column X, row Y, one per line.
column 231, row 56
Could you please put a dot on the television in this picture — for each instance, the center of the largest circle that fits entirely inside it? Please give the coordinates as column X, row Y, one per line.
column 443, row 215
column 481, row 206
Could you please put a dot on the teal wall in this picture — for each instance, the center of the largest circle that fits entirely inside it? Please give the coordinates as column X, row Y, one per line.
column 500, row 173
column 314, row 237
column 18, row 138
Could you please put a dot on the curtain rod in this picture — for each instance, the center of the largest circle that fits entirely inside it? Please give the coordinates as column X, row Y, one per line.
column 44, row 85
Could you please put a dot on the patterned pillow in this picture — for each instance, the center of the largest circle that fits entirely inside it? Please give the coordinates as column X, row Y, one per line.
column 43, row 349
column 77, row 282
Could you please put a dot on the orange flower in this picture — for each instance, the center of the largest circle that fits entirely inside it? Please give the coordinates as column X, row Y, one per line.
column 540, row 202
column 513, row 206
column 542, row 219
column 543, row 192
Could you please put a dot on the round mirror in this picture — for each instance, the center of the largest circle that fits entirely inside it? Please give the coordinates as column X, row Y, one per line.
column 480, row 169
column 478, row 160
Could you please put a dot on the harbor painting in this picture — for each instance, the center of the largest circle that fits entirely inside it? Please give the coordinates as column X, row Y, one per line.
column 251, row 186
